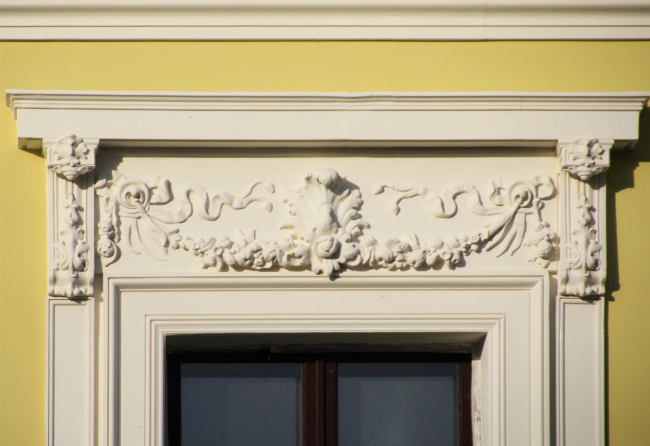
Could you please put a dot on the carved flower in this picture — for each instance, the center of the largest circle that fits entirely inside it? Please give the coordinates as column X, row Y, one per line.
column 70, row 150
column 199, row 247
column 543, row 240
column 469, row 244
column 453, row 253
column 435, row 251
column 416, row 258
column 249, row 252
column 326, row 221
column 399, row 250
column 327, row 246
column 175, row 241
column 106, row 247
column 106, row 228
column 586, row 151
column 374, row 254
column 329, row 252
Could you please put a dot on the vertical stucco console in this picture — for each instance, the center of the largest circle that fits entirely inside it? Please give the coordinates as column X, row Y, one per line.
column 468, row 216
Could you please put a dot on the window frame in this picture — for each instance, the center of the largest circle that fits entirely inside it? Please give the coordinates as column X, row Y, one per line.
column 510, row 336
column 319, row 413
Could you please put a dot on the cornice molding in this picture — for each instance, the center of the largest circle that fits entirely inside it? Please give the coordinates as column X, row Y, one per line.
column 366, row 101
column 351, row 119
column 325, row 20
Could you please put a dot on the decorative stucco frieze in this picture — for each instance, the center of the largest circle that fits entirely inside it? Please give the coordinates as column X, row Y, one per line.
column 137, row 210
column 582, row 269
column 326, row 232
column 513, row 201
column 71, row 229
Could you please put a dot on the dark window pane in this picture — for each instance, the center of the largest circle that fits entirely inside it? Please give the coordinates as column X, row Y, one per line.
column 245, row 404
column 398, row 404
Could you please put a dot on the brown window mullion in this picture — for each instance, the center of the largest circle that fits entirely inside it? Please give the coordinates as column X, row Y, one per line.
column 331, row 404
column 465, row 437
column 313, row 404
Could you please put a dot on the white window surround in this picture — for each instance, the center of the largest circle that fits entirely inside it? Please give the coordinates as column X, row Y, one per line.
column 325, row 20
column 539, row 369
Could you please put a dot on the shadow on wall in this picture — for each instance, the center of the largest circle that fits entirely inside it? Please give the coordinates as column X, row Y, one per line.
column 619, row 177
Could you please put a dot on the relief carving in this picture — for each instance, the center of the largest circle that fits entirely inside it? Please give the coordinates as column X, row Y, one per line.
column 136, row 210
column 513, row 202
column 585, row 158
column 71, row 253
column 71, row 156
column 326, row 232
column 582, row 271
column 71, row 267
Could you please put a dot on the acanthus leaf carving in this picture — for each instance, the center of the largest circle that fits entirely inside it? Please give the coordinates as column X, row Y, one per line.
column 70, row 254
column 585, row 158
column 582, row 271
column 71, row 191
column 326, row 231
column 326, row 220
column 71, row 156
column 582, row 276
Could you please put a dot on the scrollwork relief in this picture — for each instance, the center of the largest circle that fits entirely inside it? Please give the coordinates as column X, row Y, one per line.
column 326, row 231
column 582, row 271
column 136, row 210
column 513, row 201
column 71, row 267
column 582, row 275
column 70, row 253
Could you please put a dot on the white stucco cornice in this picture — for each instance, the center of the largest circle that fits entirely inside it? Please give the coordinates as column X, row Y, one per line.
column 325, row 20
column 425, row 119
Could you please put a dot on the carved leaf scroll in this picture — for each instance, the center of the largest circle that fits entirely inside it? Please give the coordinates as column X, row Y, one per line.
column 70, row 252
column 582, row 267
column 326, row 232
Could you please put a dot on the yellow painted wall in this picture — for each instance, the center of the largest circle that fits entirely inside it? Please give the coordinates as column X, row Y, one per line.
column 317, row 66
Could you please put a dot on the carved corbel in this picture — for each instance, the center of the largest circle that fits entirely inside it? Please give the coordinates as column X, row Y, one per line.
column 71, row 213
column 71, row 156
column 583, row 261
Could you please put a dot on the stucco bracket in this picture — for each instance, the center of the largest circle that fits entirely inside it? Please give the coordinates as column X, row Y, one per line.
column 583, row 259
column 71, row 191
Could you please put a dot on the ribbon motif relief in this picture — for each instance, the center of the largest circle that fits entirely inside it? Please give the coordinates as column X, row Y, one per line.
column 326, row 231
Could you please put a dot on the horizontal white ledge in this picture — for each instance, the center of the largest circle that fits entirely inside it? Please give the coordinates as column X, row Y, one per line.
column 458, row 281
column 310, row 101
column 324, row 19
column 350, row 119
column 322, row 33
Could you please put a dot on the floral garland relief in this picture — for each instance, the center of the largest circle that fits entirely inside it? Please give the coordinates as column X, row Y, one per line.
column 326, row 231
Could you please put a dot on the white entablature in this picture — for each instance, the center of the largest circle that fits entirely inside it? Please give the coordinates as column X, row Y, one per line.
column 325, row 20
column 219, row 192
